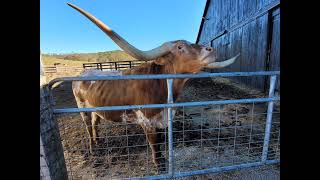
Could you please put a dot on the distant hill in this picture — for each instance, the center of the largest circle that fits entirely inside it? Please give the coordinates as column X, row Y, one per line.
column 79, row 58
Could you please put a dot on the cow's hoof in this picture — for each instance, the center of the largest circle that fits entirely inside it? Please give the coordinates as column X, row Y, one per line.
column 161, row 166
column 98, row 152
column 86, row 155
column 162, row 170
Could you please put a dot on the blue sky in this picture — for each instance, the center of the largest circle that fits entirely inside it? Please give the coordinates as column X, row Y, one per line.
column 144, row 23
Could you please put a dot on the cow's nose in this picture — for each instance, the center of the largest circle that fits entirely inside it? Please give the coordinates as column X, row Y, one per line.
column 208, row 48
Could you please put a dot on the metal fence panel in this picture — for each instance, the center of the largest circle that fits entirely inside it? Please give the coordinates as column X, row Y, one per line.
column 205, row 136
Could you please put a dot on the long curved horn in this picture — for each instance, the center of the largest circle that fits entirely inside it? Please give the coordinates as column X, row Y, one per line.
column 134, row 52
column 222, row 63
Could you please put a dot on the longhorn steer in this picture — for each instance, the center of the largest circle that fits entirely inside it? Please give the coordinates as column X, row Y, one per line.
column 173, row 57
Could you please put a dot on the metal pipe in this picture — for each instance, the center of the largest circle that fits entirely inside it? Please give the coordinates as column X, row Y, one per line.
column 170, row 119
column 163, row 76
column 172, row 105
column 210, row 170
column 273, row 80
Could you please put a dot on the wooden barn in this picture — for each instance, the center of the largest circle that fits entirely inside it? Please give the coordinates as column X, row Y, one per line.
column 249, row 27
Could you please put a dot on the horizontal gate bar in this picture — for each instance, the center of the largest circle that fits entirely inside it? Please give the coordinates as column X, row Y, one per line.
column 163, row 76
column 184, row 104
column 211, row 170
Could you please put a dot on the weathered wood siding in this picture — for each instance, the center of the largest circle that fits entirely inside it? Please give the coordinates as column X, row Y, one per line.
column 274, row 63
column 249, row 27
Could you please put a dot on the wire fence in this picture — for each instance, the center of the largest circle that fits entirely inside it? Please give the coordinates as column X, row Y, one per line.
column 202, row 136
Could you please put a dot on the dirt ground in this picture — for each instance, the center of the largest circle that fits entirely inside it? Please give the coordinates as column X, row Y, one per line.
column 206, row 136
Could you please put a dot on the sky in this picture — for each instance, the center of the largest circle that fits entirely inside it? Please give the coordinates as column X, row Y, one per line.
column 143, row 23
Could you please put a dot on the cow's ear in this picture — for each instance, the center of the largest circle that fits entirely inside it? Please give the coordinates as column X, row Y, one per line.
column 161, row 61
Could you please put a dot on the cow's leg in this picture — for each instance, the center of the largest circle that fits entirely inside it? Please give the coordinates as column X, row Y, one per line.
column 95, row 120
column 87, row 121
column 154, row 140
column 174, row 113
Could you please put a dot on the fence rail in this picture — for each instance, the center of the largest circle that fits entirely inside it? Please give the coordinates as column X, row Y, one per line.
column 118, row 65
column 61, row 69
column 169, row 114
column 164, row 76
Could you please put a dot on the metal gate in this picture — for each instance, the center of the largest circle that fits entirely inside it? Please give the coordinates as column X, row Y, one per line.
column 216, row 148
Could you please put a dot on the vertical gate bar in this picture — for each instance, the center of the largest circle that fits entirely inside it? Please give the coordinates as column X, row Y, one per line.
column 273, row 79
column 170, row 134
column 115, row 65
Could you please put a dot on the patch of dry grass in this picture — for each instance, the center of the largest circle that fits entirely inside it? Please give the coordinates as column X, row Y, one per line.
column 77, row 59
column 50, row 60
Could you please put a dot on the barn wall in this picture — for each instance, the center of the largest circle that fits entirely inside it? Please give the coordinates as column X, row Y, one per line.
column 250, row 27
column 274, row 63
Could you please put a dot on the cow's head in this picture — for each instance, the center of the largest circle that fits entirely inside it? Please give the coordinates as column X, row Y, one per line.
column 184, row 56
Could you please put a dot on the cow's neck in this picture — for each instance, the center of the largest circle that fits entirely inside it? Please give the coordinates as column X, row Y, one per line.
column 178, row 84
column 153, row 68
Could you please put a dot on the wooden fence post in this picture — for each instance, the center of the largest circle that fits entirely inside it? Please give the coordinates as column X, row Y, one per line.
column 52, row 162
column 115, row 65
